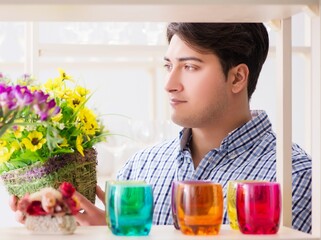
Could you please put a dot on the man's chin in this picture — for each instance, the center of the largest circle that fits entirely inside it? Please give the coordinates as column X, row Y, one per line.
column 180, row 121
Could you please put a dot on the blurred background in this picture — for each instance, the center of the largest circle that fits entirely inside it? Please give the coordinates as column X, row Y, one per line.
column 122, row 64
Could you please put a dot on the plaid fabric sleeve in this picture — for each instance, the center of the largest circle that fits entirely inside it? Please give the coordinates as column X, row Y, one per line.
column 301, row 201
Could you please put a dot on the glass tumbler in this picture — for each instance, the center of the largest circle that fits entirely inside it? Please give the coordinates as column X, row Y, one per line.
column 173, row 196
column 107, row 184
column 258, row 207
column 173, row 204
column 231, row 204
column 130, row 208
column 199, row 207
column 231, row 201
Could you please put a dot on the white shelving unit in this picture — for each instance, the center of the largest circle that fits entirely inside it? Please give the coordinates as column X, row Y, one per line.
column 278, row 12
column 154, row 10
column 157, row 233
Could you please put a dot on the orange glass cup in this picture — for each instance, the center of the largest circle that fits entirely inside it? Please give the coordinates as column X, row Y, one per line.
column 199, row 207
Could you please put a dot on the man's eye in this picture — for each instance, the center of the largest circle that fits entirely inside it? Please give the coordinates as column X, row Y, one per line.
column 167, row 66
column 190, row 67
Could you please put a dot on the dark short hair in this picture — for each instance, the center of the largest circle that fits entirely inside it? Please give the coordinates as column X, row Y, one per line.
column 232, row 43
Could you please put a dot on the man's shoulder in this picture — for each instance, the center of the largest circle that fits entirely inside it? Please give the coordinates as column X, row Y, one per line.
column 301, row 161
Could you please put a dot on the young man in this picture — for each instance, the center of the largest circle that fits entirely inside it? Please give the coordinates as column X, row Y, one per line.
column 212, row 71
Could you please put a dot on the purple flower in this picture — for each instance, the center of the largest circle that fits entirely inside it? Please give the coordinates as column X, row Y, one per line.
column 42, row 107
column 15, row 99
column 23, row 96
column 3, row 87
column 6, row 100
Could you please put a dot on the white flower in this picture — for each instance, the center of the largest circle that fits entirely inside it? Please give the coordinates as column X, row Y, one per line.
column 37, row 196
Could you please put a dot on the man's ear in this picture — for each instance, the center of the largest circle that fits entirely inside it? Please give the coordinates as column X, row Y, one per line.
column 239, row 77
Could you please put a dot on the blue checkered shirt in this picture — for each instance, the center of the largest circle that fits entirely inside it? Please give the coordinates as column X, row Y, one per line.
column 249, row 152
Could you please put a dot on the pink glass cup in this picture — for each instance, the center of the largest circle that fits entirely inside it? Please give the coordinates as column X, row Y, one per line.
column 258, row 206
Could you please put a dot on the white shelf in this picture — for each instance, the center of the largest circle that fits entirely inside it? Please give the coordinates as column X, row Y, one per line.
column 157, row 233
column 203, row 11
column 153, row 10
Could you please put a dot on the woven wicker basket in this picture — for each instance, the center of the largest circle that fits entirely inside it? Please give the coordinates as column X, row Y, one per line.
column 74, row 168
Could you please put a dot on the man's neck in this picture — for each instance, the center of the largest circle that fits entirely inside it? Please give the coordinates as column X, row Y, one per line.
column 208, row 138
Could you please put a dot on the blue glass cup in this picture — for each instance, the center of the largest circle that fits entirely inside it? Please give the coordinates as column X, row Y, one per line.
column 107, row 184
column 130, row 208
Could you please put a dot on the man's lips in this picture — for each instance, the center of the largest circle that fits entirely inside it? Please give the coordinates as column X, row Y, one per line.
column 176, row 101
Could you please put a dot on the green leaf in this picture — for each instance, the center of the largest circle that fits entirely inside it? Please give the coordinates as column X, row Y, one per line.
column 53, row 138
column 29, row 157
column 62, row 150
column 3, row 168
column 11, row 166
column 19, row 164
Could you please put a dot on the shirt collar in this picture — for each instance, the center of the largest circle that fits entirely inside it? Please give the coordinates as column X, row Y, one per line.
column 185, row 136
column 240, row 139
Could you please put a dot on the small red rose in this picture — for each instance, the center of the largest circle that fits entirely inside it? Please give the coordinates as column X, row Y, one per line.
column 67, row 189
column 73, row 205
column 35, row 209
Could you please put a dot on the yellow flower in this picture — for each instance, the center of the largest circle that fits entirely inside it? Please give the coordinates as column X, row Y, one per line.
column 5, row 154
column 82, row 91
column 18, row 131
column 3, row 143
column 34, row 141
column 79, row 146
column 64, row 93
column 74, row 101
column 53, row 85
column 90, row 128
column 64, row 76
column 15, row 146
column 57, row 86
column 57, row 117
column 88, row 121
column 64, row 143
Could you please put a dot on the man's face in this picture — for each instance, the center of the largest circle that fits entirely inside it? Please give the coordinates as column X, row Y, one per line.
column 196, row 85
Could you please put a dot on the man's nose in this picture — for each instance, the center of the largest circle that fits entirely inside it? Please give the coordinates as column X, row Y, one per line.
column 173, row 81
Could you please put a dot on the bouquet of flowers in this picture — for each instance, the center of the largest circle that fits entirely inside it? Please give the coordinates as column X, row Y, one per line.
column 50, row 210
column 47, row 134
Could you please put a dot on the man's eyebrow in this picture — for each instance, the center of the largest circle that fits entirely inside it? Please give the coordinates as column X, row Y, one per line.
column 182, row 59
